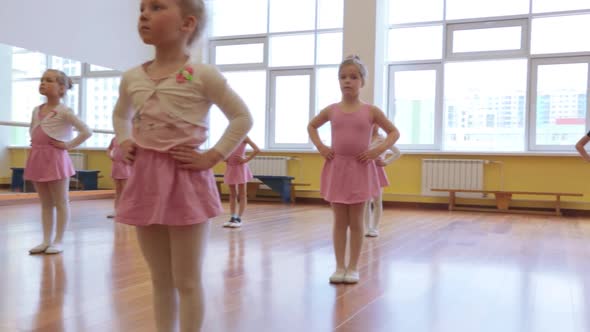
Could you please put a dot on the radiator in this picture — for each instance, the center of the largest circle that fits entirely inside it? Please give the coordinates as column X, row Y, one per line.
column 79, row 160
column 269, row 165
column 452, row 174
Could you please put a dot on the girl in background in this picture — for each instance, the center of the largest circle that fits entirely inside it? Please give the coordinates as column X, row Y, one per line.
column 49, row 166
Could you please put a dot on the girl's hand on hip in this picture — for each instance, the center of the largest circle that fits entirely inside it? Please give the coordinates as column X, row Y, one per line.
column 369, row 155
column 58, row 144
column 127, row 150
column 326, row 152
column 189, row 158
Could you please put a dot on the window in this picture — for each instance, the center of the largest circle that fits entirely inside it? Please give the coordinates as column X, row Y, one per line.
column 238, row 17
column 413, row 103
column 291, row 107
column 560, row 34
column 479, row 75
column 93, row 95
column 402, row 11
column 544, row 6
column 282, row 58
column 559, row 101
column 251, row 86
column 415, row 43
column 462, row 9
column 487, row 39
column 478, row 91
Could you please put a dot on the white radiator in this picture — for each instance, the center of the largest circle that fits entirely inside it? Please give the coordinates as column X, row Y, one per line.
column 79, row 160
column 269, row 165
column 452, row 174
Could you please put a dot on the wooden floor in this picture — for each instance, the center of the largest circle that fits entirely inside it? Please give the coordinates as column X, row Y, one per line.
column 428, row 271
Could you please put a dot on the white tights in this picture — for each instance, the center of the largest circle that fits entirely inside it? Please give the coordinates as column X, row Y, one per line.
column 54, row 195
column 373, row 215
column 174, row 255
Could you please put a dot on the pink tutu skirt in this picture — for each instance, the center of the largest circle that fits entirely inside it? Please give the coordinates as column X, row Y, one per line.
column 158, row 192
column 237, row 174
column 348, row 181
column 120, row 170
column 46, row 162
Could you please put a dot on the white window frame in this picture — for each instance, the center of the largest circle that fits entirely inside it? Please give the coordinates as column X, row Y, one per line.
column 243, row 41
column 438, row 102
column 523, row 51
column 449, row 26
column 532, row 111
column 271, row 115
column 272, row 71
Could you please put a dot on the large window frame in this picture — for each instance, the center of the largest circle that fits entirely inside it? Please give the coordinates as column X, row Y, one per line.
column 534, row 67
column 273, row 71
column 524, row 51
column 437, row 68
column 271, row 127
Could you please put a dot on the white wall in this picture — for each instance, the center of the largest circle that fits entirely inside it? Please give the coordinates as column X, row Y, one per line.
column 100, row 32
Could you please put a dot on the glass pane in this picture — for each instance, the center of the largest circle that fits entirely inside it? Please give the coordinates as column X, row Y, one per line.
column 483, row 110
column 19, row 136
column 404, row 11
column 72, row 98
column 99, row 140
column 329, row 48
column 217, row 124
column 543, row 6
column 294, row 50
column 25, row 97
column 457, row 9
column 327, row 93
column 28, row 64
column 292, row 15
column 560, row 34
column 414, row 99
column 238, row 17
column 422, row 43
column 327, row 87
column 99, row 68
column 330, row 14
column 561, row 103
column 291, row 109
column 251, row 86
column 493, row 39
column 69, row 67
column 101, row 97
column 241, row 53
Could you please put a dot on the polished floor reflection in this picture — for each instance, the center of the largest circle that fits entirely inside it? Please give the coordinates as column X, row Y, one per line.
column 428, row 271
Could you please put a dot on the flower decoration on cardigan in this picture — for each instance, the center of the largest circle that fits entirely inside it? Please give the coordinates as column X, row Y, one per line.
column 185, row 74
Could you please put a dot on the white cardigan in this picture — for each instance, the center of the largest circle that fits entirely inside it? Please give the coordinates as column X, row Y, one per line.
column 189, row 100
column 59, row 124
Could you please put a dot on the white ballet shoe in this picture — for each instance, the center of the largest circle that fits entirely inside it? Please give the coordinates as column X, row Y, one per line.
column 373, row 233
column 39, row 249
column 53, row 249
column 337, row 277
column 351, row 277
